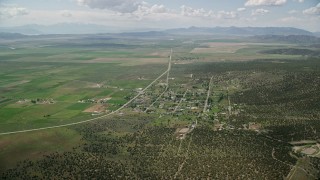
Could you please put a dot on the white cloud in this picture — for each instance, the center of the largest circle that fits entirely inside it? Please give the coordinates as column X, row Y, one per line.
column 241, row 9
column 11, row 11
column 66, row 13
column 152, row 9
column 313, row 10
column 189, row 11
column 265, row 2
column 310, row 23
column 202, row 13
column 290, row 19
column 293, row 11
column 158, row 9
column 259, row 12
column 226, row 15
column 123, row 6
column 142, row 15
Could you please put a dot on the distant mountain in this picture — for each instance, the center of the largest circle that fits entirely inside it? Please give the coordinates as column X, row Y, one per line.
column 240, row 31
column 62, row 28
column 11, row 35
column 316, row 34
column 75, row 28
column 304, row 39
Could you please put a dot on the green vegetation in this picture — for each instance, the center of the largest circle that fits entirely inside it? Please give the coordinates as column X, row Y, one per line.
column 240, row 109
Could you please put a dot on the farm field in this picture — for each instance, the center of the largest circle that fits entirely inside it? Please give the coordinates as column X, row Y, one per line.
column 207, row 109
column 42, row 89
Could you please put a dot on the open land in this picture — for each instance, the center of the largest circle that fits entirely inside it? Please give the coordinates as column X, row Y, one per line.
column 210, row 109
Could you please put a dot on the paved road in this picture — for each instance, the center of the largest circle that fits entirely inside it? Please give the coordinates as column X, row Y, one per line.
column 100, row 117
column 169, row 68
column 167, row 85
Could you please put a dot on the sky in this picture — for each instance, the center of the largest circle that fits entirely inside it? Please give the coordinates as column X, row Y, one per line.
column 164, row 14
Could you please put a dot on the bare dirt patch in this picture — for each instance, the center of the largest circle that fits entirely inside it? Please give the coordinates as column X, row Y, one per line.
column 219, row 48
column 188, row 62
column 303, row 142
column 129, row 61
column 309, row 151
column 94, row 85
column 160, row 54
column 182, row 132
column 98, row 108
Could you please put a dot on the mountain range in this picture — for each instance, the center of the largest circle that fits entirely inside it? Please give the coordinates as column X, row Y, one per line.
column 74, row 28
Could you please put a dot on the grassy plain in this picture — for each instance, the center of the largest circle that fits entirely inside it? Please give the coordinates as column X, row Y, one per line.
column 55, row 68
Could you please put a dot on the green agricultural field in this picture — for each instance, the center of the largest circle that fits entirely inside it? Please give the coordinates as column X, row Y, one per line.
column 27, row 76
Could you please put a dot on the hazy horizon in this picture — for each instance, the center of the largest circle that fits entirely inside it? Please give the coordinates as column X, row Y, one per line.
column 127, row 15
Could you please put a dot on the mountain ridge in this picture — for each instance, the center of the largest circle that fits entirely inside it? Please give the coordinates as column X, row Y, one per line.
column 76, row 28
